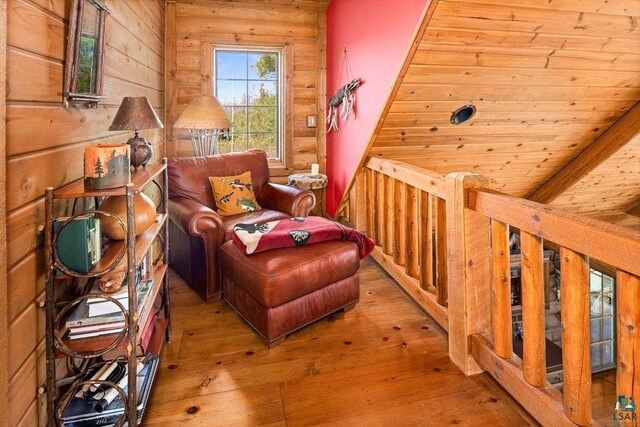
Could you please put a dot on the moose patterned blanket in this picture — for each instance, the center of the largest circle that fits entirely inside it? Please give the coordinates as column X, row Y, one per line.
column 253, row 238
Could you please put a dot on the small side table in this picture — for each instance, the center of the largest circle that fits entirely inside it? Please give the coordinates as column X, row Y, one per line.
column 315, row 183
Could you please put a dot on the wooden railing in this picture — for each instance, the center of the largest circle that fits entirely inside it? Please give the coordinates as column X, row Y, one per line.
column 579, row 239
column 403, row 209
column 445, row 241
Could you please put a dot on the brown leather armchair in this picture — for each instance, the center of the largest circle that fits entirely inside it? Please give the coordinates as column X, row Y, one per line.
column 196, row 231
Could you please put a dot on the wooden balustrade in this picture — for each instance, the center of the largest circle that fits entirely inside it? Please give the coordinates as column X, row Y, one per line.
column 576, row 238
column 433, row 231
column 406, row 217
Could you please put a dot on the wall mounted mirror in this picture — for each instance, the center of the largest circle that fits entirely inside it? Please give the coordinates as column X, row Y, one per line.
column 85, row 52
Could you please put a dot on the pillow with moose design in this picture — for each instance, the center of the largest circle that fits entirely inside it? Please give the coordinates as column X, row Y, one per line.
column 234, row 194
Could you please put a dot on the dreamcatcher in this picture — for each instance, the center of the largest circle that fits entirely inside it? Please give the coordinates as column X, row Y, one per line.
column 345, row 96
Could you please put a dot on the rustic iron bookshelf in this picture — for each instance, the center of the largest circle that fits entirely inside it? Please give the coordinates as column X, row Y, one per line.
column 120, row 256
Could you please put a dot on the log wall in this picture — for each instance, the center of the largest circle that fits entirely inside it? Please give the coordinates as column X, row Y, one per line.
column 303, row 21
column 45, row 146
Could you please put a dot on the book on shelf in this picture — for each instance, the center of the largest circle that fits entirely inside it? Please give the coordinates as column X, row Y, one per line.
column 83, row 412
column 142, row 347
column 99, row 306
column 79, row 244
column 79, row 317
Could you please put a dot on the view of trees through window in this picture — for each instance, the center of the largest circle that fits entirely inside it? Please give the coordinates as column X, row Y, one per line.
column 246, row 83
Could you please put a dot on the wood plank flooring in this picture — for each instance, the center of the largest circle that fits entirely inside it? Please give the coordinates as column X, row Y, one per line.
column 382, row 363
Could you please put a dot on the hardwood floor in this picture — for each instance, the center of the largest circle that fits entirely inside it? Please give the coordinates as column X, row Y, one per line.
column 382, row 363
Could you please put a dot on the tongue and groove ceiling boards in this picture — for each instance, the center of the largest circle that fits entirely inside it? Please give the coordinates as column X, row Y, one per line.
column 548, row 78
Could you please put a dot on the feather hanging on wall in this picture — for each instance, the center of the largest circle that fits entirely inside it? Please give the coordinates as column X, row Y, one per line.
column 345, row 96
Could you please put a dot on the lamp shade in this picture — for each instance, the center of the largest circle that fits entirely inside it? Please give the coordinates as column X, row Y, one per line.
column 135, row 113
column 203, row 112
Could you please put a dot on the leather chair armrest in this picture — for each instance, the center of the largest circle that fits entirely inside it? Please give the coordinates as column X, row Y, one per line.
column 196, row 219
column 293, row 201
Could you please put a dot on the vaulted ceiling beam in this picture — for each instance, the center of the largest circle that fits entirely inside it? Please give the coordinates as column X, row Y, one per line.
column 613, row 139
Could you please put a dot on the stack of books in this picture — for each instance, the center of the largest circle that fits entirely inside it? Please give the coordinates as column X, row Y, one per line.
column 88, row 412
column 95, row 316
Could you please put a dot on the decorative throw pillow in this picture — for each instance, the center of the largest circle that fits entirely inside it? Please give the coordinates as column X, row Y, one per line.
column 234, row 194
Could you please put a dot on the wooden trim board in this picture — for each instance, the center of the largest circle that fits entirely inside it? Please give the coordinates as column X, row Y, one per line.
column 170, row 88
column 544, row 403
column 3, row 216
column 424, row 20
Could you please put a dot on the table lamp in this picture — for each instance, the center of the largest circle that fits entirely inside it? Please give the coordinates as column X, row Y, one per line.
column 136, row 113
column 204, row 117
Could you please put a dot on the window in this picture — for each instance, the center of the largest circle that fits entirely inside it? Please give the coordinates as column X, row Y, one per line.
column 248, row 83
column 603, row 332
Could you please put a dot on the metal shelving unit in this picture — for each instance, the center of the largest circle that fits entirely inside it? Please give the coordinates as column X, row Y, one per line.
column 124, row 255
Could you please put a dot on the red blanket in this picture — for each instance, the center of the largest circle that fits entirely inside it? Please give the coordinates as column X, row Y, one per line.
column 252, row 238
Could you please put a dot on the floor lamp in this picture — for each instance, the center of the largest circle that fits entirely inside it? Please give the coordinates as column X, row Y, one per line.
column 204, row 117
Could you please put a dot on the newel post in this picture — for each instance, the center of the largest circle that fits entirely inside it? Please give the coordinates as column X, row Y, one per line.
column 468, row 268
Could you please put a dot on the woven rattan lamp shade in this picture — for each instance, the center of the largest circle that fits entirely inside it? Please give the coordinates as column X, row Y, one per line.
column 203, row 112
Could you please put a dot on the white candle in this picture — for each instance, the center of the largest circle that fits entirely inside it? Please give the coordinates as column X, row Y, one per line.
column 315, row 169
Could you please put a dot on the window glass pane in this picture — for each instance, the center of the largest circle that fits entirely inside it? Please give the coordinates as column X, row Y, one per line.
column 596, row 354
column 596, row 330
column 263, row 66
column 224, row 143
column 231, row 92
column 596, row 304
column 607, row 352
column 607, row 304
column 607, row 328
column 596, row 281
column 263, row 93
column 262, row 119
column 265, row 142
column 607, row 283
column 238, row 117
column 231, row 65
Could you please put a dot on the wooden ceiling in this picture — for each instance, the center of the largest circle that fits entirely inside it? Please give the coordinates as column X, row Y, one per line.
column 548, row 77
column 612, row 186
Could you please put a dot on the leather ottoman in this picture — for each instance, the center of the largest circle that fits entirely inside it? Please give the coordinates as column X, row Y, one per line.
column 282, row 290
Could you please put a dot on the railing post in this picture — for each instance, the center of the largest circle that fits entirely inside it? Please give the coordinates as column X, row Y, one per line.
column 534, row 353
column 371, row 187
column 359, row 211
column 501, row 290
column 412, row 267
column 468, row 270
column 628, row 335
column 425, row 229
column 399, row 223
column 576, row 336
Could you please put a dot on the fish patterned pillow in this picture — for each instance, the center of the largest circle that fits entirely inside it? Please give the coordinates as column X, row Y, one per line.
column 234, row 194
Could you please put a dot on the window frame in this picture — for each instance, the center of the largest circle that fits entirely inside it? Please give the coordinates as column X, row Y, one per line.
column 280, row 88
column 209, row 42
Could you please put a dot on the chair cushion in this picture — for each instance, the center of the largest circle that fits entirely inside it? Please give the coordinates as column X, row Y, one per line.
column 282, row 275
column 234, row 194
column 263, row 215
column 189, row 176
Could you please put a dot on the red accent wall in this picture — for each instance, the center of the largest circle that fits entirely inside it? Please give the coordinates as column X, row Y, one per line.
column 376, row 34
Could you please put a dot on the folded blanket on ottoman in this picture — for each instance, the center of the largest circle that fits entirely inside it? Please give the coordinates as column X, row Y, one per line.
column 253, row 238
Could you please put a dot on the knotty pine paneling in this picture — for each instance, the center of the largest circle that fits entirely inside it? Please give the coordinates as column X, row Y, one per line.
column 612, row 186
column 45, row 146
column 547, row 79
column 245, row 19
